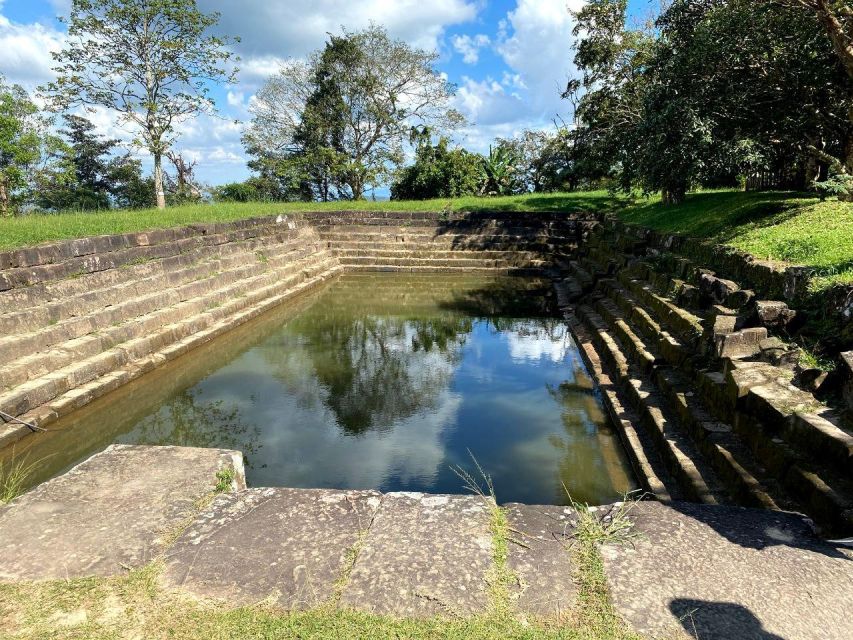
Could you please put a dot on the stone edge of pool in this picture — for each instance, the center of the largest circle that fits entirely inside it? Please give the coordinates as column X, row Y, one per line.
column 731, row 570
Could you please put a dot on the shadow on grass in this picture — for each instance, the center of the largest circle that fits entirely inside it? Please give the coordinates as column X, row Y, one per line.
column 717, row 215
column 546, row 203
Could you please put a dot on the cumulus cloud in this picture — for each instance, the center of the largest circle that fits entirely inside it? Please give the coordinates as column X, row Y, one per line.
column 469, row 46
column 534, row 42
column 25, row 52
column 535, row 45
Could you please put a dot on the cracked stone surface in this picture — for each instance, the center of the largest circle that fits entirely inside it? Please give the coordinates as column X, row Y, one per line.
column 539, row 556
column 425, row 555
column 114, row 511
column 730, row 573
column 287, row 546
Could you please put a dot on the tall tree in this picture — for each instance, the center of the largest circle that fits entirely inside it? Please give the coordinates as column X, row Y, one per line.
column 836, row 18
column 151, row 61
column 346, row 112
column 22, row 144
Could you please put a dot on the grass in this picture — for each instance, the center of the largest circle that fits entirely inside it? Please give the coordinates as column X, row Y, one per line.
column 785, row 227
column 14, row 477
column 34, row 229
column 781, row 226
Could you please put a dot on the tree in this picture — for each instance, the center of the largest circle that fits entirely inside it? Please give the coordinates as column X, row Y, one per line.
column 344, row 114
column 499, row 169
column 33, row 161
column 151, row 61
column 438, row 170
column 836, row 18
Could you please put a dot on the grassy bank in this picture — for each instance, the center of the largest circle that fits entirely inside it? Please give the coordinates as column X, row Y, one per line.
column 787, row 227
column 34, row 229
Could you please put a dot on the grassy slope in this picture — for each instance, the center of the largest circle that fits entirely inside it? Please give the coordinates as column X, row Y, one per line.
column 773, row 226
column 776, row 226
column 34, row 229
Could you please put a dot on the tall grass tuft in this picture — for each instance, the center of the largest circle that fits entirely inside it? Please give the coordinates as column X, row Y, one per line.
column 14, row 477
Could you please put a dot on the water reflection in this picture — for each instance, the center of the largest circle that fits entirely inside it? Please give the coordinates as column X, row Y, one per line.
column 379, row 381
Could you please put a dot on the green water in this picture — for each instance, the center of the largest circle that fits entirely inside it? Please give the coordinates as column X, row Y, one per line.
column 382, row 381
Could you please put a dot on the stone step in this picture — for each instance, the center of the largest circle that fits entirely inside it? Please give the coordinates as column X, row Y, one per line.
column 158, row 293
column 396, row 251
column 61, row 344
column 115, row 511
column 77, row 266
column 439, row 262
column 187, row 317
column 642, row 450
column 683, row 460
column 47, row 303
column 514, row 271
column 731, row 459
column 673, row 350
column 686, row 326
column 198, row 330
column 735, row 461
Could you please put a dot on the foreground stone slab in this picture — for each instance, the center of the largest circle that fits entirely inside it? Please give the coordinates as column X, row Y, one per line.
column 730, row 573
column 289, row 546
column 117, row 510
column 540, row 557
column 425, row 555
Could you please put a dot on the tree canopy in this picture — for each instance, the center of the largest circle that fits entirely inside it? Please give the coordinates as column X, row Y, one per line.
column 151, row 61
column 340, row 120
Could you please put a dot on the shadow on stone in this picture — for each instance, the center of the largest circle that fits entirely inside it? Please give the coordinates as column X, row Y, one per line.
column 719, row 621
column 759, row 529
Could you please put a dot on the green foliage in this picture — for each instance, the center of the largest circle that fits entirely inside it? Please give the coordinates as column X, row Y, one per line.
column 837, row 184
column 438, row 171
column 23, row 139
column 499, row 169
column 335, row 124
column 151, row 61
column 713, row 91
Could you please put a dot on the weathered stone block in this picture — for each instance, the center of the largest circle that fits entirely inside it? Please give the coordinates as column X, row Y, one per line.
column 721, row 587
column 714, row 288
column 113, row 511
column 742, row 344
column 773, row 314
column 845, row 372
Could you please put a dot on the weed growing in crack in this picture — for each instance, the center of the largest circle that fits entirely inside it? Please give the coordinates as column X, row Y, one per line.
column 224, row 480
column 500, row 579
column 14, row 477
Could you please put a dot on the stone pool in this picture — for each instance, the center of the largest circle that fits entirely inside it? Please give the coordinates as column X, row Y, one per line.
column 384, row 381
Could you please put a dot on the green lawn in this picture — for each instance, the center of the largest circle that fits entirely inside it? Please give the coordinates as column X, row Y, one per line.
column 777, row 226
column 34, row 229
column 788, row 227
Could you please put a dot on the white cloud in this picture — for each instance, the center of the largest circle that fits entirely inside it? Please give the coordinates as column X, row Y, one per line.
column 25, row 52
column 536, row 46
column 469, row 46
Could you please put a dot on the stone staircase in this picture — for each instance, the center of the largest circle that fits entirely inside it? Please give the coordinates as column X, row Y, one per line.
column 701, row 391
column 80, row 318
column 517, row 244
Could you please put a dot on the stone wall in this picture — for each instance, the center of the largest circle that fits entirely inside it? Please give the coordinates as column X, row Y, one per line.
column 686, row 339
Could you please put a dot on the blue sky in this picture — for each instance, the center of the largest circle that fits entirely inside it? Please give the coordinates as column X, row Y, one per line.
column 509, row 58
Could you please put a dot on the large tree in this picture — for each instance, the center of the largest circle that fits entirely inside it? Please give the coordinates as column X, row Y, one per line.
column 151, row 61
column 345, row 113
column 27, row 149
column 836, row 18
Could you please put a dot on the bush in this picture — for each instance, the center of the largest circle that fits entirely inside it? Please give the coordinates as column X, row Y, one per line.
column 236, row 192
column 439, row 172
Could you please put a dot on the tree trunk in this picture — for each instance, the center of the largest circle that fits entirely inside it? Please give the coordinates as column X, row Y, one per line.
column 674, row 195
column 5, row 207
column 159, row 189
